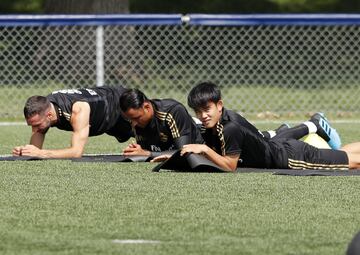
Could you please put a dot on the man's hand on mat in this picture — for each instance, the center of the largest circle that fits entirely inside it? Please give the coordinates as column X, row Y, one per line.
column 161, row 158
column 27, row 150
column 135, row 149
column 194, row 148
column 17, row 151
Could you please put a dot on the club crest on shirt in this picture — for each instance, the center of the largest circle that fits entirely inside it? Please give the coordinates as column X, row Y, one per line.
column 163, row 137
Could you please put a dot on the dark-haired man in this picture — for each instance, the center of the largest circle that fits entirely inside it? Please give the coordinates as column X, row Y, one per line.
column 159, row 126
column 85, row 112
column 162, row 126
column 229, row 144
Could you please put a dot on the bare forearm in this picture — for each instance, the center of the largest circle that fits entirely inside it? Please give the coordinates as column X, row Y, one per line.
column 219, row 160
column 61, row 153
column 37, row 140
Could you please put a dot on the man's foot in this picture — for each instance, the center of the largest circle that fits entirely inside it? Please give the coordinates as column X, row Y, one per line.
column 325, row 131
column 282, row 128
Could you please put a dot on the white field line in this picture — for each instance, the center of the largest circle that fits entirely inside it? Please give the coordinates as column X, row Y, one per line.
column 135, row 241
column 12, row 123
column 298, row 122
column 87, row 154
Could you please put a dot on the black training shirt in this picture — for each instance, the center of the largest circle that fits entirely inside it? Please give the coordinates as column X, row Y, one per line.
column 231, row 138
column 170, row 128
column 237, row 118
column 105, row 113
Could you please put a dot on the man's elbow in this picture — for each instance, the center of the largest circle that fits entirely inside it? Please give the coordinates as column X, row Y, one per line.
column 230, row 168
column 233, row 169
column 77, row 154
column 233, row 166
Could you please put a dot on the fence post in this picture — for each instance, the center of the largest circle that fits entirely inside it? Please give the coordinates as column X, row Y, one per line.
column 99, row 56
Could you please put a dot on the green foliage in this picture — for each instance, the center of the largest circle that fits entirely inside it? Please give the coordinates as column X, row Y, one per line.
column 244, row 6
column 320, row 6
column 201, row 6
column 21, row 6
column 207, row 6
column 306, row 5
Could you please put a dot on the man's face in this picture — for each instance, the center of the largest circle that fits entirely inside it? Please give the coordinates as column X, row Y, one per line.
column 139, row 117
column 39, row 122
column 210, row 114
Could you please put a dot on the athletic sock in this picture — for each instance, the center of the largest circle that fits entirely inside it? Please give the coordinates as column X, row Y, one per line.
column 271, row 133
column 311, row 126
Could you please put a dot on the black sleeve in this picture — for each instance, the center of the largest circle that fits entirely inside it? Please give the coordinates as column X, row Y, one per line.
column 233, row 139
column 246, row 124
column 182, row 140
column 181, row 125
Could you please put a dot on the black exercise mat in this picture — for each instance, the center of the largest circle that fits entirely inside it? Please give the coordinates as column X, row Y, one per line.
column 18, row 158
column 198, row 163
column 84, row 158
column 354, row 245
column 188, row 163
column 316, row 172
column 254, row 170
column 111, row 158
column 304, row 172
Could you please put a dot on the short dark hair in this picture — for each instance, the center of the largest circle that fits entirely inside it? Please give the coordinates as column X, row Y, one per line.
column 132, row 98
column 202, row 94
column 36, row 105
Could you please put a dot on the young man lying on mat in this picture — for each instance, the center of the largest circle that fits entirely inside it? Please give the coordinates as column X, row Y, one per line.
column 85, row 112
column 162, row 126
column 230, row 145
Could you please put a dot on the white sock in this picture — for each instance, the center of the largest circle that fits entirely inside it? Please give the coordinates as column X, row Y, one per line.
column 272, row 133
column 311, row 126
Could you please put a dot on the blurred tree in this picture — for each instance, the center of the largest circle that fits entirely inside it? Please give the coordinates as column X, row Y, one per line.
column 347, row 6
column 179, row 6
column 202, row 6
column 318, row 6
column 21, row 6
column 86, row 6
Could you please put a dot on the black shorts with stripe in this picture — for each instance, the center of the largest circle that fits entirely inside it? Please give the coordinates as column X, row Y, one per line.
column 296, row 154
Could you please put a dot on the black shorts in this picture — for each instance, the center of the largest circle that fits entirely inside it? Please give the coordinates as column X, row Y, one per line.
column 296, row 154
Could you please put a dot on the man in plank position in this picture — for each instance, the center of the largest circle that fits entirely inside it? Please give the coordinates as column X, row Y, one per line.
column 85, row 112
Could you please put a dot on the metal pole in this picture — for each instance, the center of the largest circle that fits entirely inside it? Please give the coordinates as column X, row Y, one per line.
column 100, row 56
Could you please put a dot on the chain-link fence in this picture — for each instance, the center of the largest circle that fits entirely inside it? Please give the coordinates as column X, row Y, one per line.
column 286, row 67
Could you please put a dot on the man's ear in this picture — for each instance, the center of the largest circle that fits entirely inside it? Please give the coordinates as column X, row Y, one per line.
column 220, row 105
column 147, row 106
column 49, row 114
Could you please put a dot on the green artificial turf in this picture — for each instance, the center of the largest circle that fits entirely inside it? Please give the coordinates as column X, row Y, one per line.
column 63, row 207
